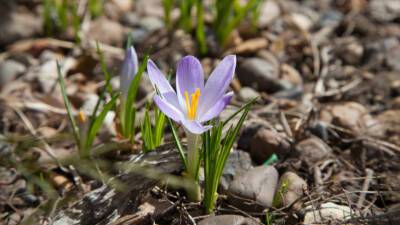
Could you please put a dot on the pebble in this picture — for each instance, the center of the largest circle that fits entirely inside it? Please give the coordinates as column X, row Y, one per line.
column 16, row 25
column 267, row 142
column 247, row 94
column 106, row 31
column 249, row 129
column 312, row 150
column 130, row 19
column 390, row 119
column 238, row 163
column 384, row 10
column 290, row 82
column 331, row 18
column 350, row 50
column 328, row 212
column 291, row 75
column 319, row 129
column 123, row 5
column 228, row 220
column 259, row 74
column 293, row 191
column 46, row 73
column 151, row 23
column 89, row 103
column 352, row 116
column 301, row 21
column 269, row 11
column 393, row 58
column 138, row 35
column 9, row 70
column 258, row 185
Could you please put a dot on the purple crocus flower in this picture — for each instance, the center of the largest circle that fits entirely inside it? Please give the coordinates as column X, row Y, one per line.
column 129, row 69
column 194, row 102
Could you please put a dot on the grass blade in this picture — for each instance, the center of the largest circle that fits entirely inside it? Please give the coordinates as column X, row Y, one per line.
column 68, row 105
column 239, row 110
column 98, row 122
column 177, row 142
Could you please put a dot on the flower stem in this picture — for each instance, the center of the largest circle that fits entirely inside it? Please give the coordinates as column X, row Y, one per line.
column 193, row 164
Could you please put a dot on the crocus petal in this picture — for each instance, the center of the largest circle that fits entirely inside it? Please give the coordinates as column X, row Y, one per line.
column 194, row 126
column 158, row 79
column 217, row 108
column 129, row 70
column 189, row 76
column 217, row 84
column 168, row 109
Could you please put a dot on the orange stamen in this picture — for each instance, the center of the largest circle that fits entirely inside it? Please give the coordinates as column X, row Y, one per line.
column 191, row 106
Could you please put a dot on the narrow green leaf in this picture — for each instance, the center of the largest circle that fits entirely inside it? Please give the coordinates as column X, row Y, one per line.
column 177, row 142
column 200, row 33
column 129, row 107
column 68, row 106
column 241, row 109
column 99, row 121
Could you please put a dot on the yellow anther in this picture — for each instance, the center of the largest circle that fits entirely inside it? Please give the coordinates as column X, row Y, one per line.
column 192, row 104
column 81, row 117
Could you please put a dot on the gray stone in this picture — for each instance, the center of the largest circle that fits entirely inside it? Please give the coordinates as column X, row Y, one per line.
column 151, row 23
column 327, row 212
column 249, row 129
column 384, row 10
column 138, row 35
column 393, row 58
column 302, row 21
column 247, row 94
column 259, row 74
column 106, row 31
column 269, row 11
column 352, row 116
column 267, row 142
column 350, row 50
column 313, row 150
column 257, row 185
column 331, row 18
column 293, row 190
column 238, row 163
column 9, row 70
column 228, row 220
column 131, row 19
column 17, row 25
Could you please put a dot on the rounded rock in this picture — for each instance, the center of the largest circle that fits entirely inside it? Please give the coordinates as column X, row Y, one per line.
column 228, row 220
column 261, row 74
column 258, row 185
column 9, row 70
column 294, row 186
column 267, row 142
column 247, row 94
column 327, row 212
column 313, row 150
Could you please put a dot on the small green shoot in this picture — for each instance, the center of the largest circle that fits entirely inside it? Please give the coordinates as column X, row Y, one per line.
column 152, row 134
column 278, row 198
column 95, row 7
column 85, row 131
column 227, row 15
column 168, row 4
column 127, row 112
column 216, row 151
